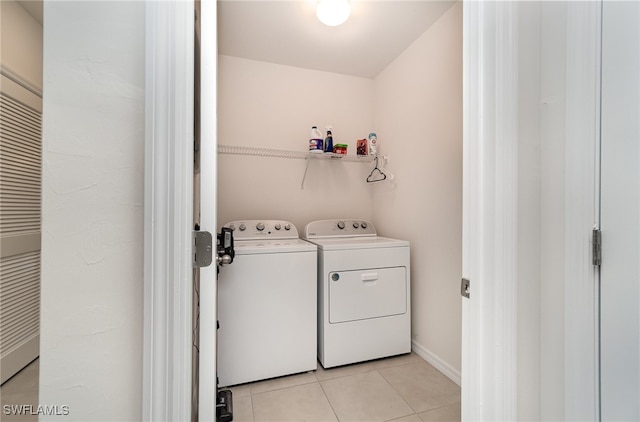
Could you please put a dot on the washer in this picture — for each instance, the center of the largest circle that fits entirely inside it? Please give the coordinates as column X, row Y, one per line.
column 364, row 292
column 267, row 302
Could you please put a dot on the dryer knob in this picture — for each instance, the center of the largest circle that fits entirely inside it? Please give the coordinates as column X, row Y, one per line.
column 232, row 227
column 260, row 227
column 355, row 225
column 363, row 225
column 287, row 226
column 278, row 226
column 341, row 225
column 242, row 227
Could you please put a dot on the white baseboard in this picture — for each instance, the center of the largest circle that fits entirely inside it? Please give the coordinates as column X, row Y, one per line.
column 437, row 362
column 12, row 362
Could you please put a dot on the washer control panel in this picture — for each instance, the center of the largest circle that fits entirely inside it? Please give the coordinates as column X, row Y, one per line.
column 262, row 229
column 339, row 228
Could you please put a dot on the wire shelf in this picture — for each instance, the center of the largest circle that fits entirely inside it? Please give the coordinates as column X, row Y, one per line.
column 281, row 153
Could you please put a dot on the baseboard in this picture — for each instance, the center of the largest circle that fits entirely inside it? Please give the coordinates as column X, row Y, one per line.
column 435, row 360
column 13, row 362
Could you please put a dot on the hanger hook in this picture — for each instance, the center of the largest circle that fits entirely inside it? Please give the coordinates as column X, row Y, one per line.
column 371, row 179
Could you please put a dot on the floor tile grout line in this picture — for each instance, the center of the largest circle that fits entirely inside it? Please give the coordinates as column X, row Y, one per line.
column 320, row 383
column 402, row 417
column 377, row 370
column 281, row 388
column 373, row 368
column 328, row 401
column 415, row 412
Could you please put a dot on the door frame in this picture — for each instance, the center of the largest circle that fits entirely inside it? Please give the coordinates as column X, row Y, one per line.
column 582, row 155
column 168, row 210
column 490, row 156
column 208, row 206
column 169, row 169
column 490, row 244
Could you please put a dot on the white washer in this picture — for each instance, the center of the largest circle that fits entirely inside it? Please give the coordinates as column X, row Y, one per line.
column 364, row 292
column 267, row 302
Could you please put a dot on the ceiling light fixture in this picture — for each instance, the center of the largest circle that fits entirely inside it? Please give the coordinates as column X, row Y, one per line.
column 333, row 12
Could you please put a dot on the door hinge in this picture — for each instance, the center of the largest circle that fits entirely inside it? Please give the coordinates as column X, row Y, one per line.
column 202, row 249
column 464, row 288
column 596, row 249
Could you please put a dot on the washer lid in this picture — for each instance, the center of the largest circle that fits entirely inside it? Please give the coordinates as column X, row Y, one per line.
column 266, row 246
column 344, row 243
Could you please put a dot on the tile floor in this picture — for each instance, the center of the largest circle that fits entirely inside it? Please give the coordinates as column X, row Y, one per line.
column 403, row 388
column 21, row 389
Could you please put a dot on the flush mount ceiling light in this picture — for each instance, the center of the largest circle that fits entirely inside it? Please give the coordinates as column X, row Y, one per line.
column 333, row 12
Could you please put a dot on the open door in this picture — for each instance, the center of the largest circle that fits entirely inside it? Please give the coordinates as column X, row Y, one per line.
column 206, row 182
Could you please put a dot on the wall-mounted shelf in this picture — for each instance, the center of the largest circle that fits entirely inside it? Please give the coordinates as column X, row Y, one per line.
column 301, row 155
column 281, row 153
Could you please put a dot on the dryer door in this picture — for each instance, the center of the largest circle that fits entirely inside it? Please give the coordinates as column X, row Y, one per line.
column 365, row 294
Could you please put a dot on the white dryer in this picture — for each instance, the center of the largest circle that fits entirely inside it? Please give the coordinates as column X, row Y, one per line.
column 364, row 292
column 267, row 304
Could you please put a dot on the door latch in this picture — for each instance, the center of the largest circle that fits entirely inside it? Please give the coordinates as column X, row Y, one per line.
column 226, row 251
column 464, row 288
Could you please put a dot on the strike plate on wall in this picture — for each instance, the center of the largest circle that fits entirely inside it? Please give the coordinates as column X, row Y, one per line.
column 464, row 288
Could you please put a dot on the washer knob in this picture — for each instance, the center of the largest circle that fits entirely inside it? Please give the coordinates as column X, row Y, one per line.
column 287, row 226
column 355, row 225
column 232, row 227
column 260, row 227
column 363, row 225
column 278, row 226
column 242, row 227
column 341, row 225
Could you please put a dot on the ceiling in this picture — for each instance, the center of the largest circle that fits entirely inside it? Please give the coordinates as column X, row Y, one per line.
column 288, row 32
column 33, row 7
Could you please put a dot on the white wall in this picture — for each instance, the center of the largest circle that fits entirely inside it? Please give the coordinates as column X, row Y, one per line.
column 21, row 44
column 418, row 117
column 274, row 106
column 92, row 243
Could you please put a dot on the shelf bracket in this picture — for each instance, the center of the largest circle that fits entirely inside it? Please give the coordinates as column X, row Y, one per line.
column 306, row 168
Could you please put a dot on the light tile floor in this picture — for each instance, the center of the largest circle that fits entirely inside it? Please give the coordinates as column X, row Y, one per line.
column 403, row 388
column 21, row 390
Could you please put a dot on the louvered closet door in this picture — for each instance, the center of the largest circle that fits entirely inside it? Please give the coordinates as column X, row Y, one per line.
column 20, row 188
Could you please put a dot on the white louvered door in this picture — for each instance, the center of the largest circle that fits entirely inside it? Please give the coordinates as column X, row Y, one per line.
column 20, row 218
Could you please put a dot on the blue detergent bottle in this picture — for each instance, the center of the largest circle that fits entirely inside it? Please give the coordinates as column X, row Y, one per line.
column 328, row 141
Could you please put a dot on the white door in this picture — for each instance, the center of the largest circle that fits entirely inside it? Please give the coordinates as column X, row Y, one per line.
column 620, row 212
column 207, row 185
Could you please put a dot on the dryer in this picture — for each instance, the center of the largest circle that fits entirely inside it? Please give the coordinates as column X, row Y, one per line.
column 364, row 292
column 267, row 304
